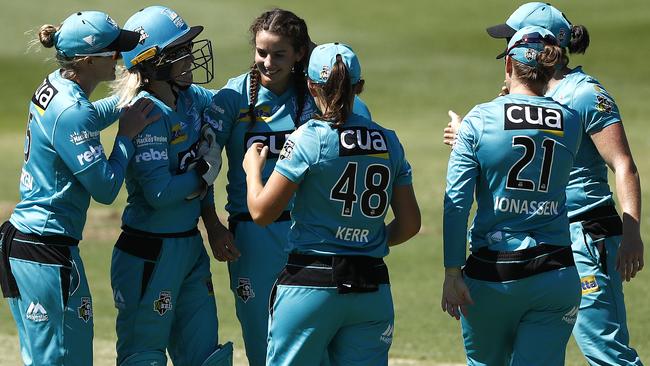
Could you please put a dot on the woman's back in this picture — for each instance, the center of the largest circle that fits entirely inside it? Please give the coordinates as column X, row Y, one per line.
column 346, row 177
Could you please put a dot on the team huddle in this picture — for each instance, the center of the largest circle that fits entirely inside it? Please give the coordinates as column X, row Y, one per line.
column 310, row 179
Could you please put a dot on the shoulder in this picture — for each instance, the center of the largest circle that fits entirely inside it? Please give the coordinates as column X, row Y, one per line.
column 238, row 83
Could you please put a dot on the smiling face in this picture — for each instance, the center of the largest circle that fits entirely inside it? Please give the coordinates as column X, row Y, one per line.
column 274, row 58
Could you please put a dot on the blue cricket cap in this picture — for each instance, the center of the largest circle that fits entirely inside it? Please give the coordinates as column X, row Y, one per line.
column 526, row 43
column 535, row 14
column 91, row 32
column 323, row 58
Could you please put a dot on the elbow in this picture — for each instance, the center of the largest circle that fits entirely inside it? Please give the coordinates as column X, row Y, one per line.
column 261, row 218
column 105, row 199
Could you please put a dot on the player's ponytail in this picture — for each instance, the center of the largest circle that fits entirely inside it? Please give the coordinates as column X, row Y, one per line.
column 536, row 77
column 46, row 35
column 337, row 94
column 579, row 39
column 127, row 84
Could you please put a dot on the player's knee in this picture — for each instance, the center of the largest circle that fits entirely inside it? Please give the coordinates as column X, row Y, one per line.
column 148, row 358
column 221, row 357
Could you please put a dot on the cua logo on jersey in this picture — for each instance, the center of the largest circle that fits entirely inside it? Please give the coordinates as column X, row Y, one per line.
column 531, row 117
column 44, row 95
column 36, row 312
column 274, row 140
column 589, row 284
column 362, row 141
column 245, row 289
column 90, row 155
column 186, row 157
column 163, row 303
column 85, row 311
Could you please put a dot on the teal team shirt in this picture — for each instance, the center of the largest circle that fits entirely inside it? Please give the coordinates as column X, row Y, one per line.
column 515, row 154
column 157, row 178
column 588, row 187
column 64, row 161
column 346, row 177
column 275, row 121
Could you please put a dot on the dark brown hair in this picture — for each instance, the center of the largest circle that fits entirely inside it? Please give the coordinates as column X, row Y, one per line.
column 286, row 24
column 536, row 77
column 579, row 39
column 337, row 94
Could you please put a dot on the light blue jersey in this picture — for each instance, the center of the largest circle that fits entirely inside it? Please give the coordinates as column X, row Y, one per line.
column 346, row 177
column 228, row 115
column 157, row 178
column 588, row 187
column 65, row 164
column 515, row 153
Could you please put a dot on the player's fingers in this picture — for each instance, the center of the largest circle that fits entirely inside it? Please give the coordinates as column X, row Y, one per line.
column 453, row 115
column 641, row 263
column 264, row 152
column 153, row 118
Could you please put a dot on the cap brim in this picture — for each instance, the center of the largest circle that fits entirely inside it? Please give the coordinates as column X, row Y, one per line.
column 125, row 41
column 501, row 31
column 187, row 37
column 502, row 54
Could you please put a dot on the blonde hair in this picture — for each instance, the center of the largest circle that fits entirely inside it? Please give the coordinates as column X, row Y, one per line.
column 127, row 85
column 46, row 37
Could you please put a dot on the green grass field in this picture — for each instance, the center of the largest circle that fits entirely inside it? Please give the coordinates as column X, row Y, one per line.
column 419, row 58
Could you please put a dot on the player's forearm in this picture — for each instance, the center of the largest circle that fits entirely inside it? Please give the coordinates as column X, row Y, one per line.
column 258, row 207
column 628, row 190
column 398, row 231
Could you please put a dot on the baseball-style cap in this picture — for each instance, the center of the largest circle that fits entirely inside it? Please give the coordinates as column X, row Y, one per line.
column 323, row 58
column 526, row 43
column 535, row 14
column 88, row 33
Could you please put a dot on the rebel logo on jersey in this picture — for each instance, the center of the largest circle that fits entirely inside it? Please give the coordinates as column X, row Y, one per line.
column 531, row 117
column 90, row 155
column 362, row 141
column 44, row 95
column 274, row 140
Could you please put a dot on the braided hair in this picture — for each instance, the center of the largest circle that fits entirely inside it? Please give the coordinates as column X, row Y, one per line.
column 286, row 24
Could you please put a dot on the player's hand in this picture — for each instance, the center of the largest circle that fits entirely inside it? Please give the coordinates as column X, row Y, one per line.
column 455, row 295
column 136, row 117
column 450, row 132
column 222, row 243
column 629, row 259
column 255, row 158
column 504, row 89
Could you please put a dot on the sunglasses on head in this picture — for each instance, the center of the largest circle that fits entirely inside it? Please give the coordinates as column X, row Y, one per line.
column 533, row 38
column 113, row 54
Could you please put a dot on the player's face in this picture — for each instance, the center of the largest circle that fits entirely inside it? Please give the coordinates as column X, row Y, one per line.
column 274, row 58
column 104, row 67
column 181, row 69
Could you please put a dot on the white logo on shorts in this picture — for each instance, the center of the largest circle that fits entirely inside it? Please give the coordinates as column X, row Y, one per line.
column 36, row 312
column 570, row 317
column 387, row 335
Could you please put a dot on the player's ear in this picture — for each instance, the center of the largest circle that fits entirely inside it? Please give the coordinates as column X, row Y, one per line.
column 508, row 67
column 312, row 88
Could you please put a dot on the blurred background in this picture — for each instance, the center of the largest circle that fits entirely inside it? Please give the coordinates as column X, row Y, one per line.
column 419, row 58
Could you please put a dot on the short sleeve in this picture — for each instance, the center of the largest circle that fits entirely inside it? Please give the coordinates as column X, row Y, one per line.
column 596, row 107
column 222, row 113
column 76, row 138
column 404, row 172
column 300, row 151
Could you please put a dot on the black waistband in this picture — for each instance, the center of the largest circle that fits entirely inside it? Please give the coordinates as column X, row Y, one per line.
column 600, row 222
column 599, row 212
column 245, row 216
column 495, row 266
column 346, row 273
column 48, row 239
column 145, row 234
